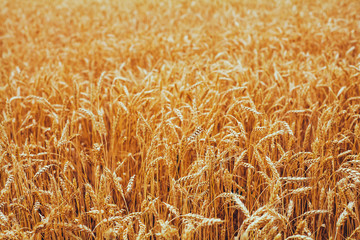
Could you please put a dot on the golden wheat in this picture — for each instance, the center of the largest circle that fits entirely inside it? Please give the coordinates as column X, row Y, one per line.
column 179, row 119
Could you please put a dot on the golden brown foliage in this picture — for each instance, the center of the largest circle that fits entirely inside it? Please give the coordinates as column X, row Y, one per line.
column 179, row 119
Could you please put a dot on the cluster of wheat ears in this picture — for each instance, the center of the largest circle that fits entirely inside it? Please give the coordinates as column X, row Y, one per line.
column 179, row 119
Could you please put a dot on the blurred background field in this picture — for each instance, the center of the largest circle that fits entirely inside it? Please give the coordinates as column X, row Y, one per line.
column 179, row 119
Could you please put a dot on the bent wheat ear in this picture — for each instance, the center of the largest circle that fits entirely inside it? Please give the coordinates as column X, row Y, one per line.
column 342, row 218
column 304, row 237
column 241, row 205
column 130, row 185
column 195, row 134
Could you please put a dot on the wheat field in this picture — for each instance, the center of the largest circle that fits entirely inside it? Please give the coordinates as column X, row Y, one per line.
column 180, row 119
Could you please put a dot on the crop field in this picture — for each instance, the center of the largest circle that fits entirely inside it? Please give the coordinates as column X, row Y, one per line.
column 178, row 119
